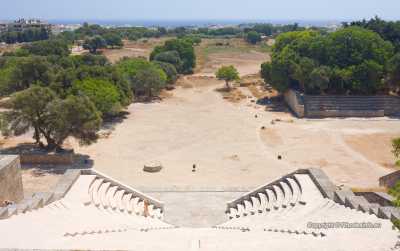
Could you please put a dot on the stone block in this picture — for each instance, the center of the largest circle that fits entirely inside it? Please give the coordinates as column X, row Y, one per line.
column 385, row 212
column 11, row 188
column 323, row 182
column 152, row 167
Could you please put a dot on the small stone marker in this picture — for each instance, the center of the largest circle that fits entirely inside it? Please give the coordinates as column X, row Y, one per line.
column 152, row 167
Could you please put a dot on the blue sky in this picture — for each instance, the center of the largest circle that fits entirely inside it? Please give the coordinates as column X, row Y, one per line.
column 200, row 9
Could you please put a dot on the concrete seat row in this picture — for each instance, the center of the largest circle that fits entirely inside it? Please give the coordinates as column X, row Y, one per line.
column 76, row 215
column 282, row 214
column 285, row 193
column 103, row 194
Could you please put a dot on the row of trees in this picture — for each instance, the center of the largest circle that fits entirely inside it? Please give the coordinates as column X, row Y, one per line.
column 352, row 60
column 59, row 95
column 25, row 35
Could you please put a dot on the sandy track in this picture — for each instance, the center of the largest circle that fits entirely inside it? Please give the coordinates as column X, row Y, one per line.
column 195, row 127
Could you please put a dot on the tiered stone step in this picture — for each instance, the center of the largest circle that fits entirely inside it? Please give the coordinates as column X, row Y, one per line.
column 76, row 214
column 292, row 208
column 112, row 197
column 283, row 194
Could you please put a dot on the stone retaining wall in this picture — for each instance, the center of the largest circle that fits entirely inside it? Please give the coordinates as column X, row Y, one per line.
column 350, row 106
column 11, row 188
column 389, row 180
column 47, row 159
column 323, row 106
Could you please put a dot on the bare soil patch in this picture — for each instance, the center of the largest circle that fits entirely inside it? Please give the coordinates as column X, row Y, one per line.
column 271, row 137
column 376, row 147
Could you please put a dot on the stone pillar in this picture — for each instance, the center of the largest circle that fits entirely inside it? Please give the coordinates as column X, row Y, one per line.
column 11, row 188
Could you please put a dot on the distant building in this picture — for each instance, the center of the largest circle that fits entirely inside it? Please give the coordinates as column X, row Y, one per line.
column 23, row 24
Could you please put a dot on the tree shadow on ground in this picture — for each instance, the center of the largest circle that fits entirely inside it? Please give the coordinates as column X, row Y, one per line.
column 225, row 89
column 274, row 104
column 148, row 100
column 109, row 123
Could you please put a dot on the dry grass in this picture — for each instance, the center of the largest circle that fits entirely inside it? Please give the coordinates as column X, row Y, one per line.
column 232, row 95
column 9, row 47
column 369, row 189
column 213, row 53
column 375, row 147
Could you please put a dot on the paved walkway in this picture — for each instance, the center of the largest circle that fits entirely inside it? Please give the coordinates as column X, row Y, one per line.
column 195, row 208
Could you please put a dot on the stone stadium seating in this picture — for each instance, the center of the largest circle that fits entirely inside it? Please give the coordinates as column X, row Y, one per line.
column 90, row 211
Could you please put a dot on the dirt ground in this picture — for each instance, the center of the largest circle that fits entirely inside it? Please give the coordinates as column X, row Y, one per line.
column 229, row 147
column 140, row 48
column 8, row 47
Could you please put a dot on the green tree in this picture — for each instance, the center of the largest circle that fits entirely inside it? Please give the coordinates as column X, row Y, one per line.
column 302, row 71
column 171, row 57
column 146, row 78
column 170, row 71
column 396, row 147
column 394, row 72
column 266, row 71
column 354, row 45
column 149, row 81
column 74, row 116
column 253, row 37
column 28, row 71
column 185, row 50
column 319, row 80
column 28, row 109
column 357, row 59
column 94, row 43
column 101, row 92
column 388, row 30
column 113, row 40
column 228, row 74
column 50, row 117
